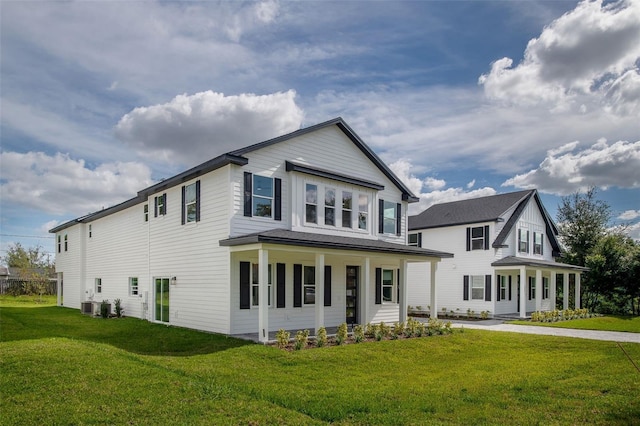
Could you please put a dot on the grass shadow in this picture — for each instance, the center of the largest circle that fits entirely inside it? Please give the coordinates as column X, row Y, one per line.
column 131, row 334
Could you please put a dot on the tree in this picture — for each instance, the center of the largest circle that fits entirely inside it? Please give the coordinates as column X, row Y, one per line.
column 34, row 266
column 582, row 222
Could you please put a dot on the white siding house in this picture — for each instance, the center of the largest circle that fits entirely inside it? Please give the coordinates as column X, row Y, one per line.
column 504, row 246
column 301, row 231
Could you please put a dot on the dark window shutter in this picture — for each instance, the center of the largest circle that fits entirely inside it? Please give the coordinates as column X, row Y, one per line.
column 542, row 244
column 247, row 194
column 509, row 287
column 487, row 288
column 530, row 287
column 378, row 286
column 280, row 285
column 381, row 216
column 183, row 204
column 486, row 237
column 277, row 199
column 528, row 242
column 327, row 285
column 465, row 287
column 419, row 239
column 468, row 239
column 155, row 206
column 297, row 286
column 399, row 219
column 197, row 201
column 398, row 288
column 498, row 283
column 245, row 287
column 164, row 202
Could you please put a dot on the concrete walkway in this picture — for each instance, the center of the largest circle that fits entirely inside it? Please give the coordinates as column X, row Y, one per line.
column 497, row 325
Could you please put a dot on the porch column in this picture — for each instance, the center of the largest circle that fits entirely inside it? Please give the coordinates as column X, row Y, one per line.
column 366, row 291
column 432, row 283
column 538, row 290
column 263, row 296
column 565, row 291
column 552, row 289
column 403, row 291
column 523, row 293
column 319, row 291
column 577, row 300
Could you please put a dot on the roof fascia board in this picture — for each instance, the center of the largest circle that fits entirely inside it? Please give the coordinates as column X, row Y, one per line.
column 513, row 219
column 448, row 225
column 313, row 171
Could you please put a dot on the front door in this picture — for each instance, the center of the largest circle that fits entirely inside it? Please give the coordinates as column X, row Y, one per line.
column 162, row 299
column 352, row 294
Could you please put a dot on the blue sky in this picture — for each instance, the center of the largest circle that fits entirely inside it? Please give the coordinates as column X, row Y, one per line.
column 463, row 99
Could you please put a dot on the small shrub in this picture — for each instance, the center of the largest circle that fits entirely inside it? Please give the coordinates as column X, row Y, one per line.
column 282, row 337
column 385, row 329
column 341, row 335
column 371, row 330
column 118, row 307
column 484, row 315
column 321, row 338
column 301, row 339
column 358, row 333
column 398, row 329
column 105, row 307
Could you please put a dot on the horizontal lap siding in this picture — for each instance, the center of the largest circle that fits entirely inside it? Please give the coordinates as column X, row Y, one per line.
column 192, row 254
column 70, row 263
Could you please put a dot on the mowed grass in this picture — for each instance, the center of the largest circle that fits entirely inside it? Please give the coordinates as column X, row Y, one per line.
column 60, row 367
column 608, row 323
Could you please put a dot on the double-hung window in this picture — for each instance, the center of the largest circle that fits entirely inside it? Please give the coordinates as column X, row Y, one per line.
column 389, row 217
column 532, row 288
column 133, row 286
column 160, row 203
column 537, row 243
column 146, row 212
column 255, row 285
column 414, row 240
column 388, row 285
column 363, row 211
column 59, row 243
column 311, row 204
column 262, row 196
column 545, row 287
column 503, row 287
column 98, row 285
column 477, row 238
column 347, row 198
column 191, row 203
column 66, row 242
column 309, row 285
column 330, row 206
column 477, row 287
column 523, row 240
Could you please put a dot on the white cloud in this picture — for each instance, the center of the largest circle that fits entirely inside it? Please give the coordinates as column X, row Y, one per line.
column 587, row 56
column 436, row 194
column 471, row 184
column 629, row 215
column 194, row 128
column 633, row 231
column 60, row 185
column 600, row 165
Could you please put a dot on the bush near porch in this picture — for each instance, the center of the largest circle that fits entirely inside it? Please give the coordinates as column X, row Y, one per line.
column 134, row 372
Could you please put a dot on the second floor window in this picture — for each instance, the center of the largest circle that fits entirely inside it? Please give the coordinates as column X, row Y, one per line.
column 415, row 240
column 59, row 243
column 347, row 198
column 363, row 211
column 262, row 196
column 389, row 217
column 330, row 206
column 160, row 203
column 523, row 240
column 146, row 212
column 66, row 243
column 311, row 203
column 537, row 243
column 191, row 203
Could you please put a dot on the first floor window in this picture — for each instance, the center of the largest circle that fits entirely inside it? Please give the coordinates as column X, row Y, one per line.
column 311, row 205
column 477, row 287
column 363, row 211
column 545, row 288
column 309, row 285
column 503, row 287
column 532, row 288
column 387, row 285
column 262, row 196
column 330, row 207
column 255, row 285
column 133, row 286
column 98, row 285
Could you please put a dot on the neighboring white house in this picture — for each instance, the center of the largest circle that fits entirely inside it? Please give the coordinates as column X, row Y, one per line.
column 505, row 248
column 301, row 231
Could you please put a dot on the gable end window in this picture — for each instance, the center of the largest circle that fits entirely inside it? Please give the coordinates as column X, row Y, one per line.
column 537, row 243
column 262, row 196
column 191, row 203
column 523, row 240
column 160, row 205
column 478, row 238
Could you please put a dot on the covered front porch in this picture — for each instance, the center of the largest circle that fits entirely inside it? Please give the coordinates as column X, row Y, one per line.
column 291, row 280
column 536, row 283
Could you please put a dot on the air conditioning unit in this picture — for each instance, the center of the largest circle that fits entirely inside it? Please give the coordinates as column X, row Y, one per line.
column 86, row 308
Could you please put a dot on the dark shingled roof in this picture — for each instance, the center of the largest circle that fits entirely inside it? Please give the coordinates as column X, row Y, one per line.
column 475, row 210
column 522, row 261
column 307, row 239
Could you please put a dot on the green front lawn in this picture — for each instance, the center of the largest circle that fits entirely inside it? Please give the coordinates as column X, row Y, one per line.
column 60, row 367
column 608, row 323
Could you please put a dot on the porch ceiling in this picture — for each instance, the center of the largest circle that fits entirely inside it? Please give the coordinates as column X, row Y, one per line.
column 306, row 239
column 514, row 261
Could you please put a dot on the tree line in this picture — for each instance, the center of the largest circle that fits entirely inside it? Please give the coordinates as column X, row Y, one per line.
column 612, row 283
